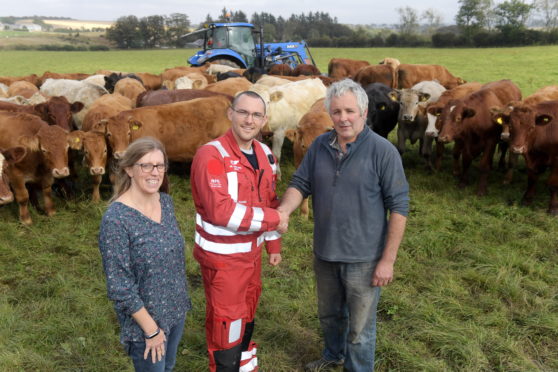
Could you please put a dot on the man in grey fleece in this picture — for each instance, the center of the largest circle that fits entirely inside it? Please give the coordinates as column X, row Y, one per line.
column 355, row 177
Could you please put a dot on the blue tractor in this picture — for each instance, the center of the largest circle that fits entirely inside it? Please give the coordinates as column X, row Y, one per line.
column 234, row 44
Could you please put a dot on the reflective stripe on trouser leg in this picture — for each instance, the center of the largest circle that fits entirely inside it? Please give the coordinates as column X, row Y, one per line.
column 248, row 359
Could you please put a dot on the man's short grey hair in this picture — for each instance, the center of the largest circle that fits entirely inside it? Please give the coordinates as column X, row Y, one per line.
column 343, row 87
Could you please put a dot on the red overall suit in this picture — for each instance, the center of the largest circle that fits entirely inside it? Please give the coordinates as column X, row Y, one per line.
column 235, row 215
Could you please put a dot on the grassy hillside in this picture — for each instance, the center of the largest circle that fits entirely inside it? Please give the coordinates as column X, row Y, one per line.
column 476, row 279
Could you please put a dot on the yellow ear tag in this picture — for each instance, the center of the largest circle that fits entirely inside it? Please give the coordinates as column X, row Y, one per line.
column 499, row 121
column 546, row 120
column 382, row 107
column 438, row 114
column 135, row 127
column 76, row 140
column 393, row 98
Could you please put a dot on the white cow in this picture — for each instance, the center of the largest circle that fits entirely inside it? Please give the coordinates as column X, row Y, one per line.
column 215, row 68
column 272, row 81
column 413, row 117
column 98, row 79
column 74, row 91
column 286, row 104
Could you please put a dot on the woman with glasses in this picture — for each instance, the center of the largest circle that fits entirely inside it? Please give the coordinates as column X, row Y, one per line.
column 143, row 258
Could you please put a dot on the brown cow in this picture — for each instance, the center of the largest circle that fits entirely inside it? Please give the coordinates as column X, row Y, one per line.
column 182, row 126
column 55, row 111
column 339, row 68
column 161, row 97
column 22, row 88
column 104, row 107
column 129, row 88
column 95, row 152
column 439, row 111
column 471, row 123
column 408, row 75
column 8, row 158
column 230, row 86
column 280, row 69
column 376, row 74
column 8, row 80
column 534, row 134
column 314, row 123
column 46, row 157
column 150, row 81
column 306, row 70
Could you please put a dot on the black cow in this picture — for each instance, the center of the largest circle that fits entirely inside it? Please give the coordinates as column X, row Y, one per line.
column 112, row 79
column 227, row 75
column 382, row 110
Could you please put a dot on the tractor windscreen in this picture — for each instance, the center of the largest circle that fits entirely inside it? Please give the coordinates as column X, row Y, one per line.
column 242, row 41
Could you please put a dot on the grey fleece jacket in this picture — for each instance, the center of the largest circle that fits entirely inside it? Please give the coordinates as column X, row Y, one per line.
column 351, row 195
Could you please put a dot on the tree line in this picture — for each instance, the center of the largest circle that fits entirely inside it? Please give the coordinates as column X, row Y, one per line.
column 478, row 23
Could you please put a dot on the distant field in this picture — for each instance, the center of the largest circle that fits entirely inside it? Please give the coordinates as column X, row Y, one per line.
column 529, row 67
column 75, row 24
column 476, row 281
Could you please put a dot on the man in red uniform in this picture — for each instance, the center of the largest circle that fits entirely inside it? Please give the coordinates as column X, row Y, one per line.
column 233, row 185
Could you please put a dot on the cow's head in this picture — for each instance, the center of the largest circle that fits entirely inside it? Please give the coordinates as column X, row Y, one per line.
column 311, row 126
column 58, row 111
column 51, row 142
column 8, row 158
column 433, row 114
column 524, row 120
column 94, row 148
column 411, row 102
column 452, row 122
column 501, row 116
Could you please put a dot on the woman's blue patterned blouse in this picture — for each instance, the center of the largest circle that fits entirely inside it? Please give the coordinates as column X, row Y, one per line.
column 144, row 266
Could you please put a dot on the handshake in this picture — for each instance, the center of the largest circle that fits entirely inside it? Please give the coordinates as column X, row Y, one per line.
column 283, row 221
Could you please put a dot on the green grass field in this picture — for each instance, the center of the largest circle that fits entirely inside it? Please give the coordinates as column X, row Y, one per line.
column 476, row 279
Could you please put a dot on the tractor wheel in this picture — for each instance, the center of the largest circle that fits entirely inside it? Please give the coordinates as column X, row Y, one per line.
column 226, row 62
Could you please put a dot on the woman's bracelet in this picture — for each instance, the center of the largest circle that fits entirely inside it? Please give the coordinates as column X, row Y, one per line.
column 154, row 334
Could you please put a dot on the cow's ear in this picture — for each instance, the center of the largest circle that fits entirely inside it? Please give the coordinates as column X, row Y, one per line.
column 423, row 97
column 276, row 96
column 543, row 119
column 468, row 113
column 100, row 126
column 75, row 139
column 291, row 135
column 76, row 107
column 31, row 143
column 134, row 123
column 394, row 95
column 14, row 154
column 197, row 84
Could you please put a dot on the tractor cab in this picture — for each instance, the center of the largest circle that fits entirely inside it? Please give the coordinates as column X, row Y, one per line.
column 226, row 43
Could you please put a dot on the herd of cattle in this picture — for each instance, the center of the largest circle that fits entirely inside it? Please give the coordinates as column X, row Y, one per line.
column 46, row 122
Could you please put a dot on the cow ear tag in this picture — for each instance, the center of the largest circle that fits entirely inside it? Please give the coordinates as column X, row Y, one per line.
column 499, row 121
column 393, row 98
column 76, row 140
column 135, row 127
column 382, row 107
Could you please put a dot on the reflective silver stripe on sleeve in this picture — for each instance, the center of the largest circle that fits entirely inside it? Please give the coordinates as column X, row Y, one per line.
column 236, row 217
column 222, row 248
column 217, row 230
column 232, row 180
column 271, row 235
column 257, row 219
column 220, row 148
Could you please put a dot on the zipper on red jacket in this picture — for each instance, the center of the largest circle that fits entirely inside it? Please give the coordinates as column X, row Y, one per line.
column 259, row 182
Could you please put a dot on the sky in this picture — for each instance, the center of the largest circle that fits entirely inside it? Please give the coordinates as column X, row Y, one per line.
column 346, row 11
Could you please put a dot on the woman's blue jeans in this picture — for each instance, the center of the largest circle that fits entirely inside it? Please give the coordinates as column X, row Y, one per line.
column 166, row 364
column 347, row 304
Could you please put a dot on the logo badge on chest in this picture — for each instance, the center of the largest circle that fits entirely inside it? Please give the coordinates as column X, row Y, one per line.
column 234, row 165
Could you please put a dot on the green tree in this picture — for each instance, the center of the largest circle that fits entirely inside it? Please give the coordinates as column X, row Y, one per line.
column 473, row 16
column 153, row 31
column 513, row 14
column 177, row 24
column 125, row 33
column 239, row 16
